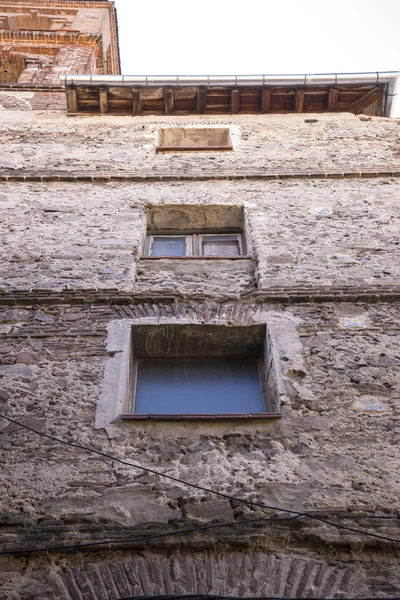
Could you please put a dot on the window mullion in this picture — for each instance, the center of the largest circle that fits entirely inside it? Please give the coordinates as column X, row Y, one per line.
column 196, row 244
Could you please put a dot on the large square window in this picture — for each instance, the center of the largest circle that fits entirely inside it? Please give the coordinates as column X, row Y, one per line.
column 199, row 371
column 174, row 371
column 195, row 385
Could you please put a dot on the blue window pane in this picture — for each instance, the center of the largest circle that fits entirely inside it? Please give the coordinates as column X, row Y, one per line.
column 168, row 246
column 217, row 385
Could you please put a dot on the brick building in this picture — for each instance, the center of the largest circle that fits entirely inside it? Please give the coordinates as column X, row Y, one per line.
column 42, row 39
column 199, row 276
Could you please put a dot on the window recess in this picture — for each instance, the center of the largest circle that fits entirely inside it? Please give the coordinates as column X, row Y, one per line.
column 200, row 371
column 195, row 139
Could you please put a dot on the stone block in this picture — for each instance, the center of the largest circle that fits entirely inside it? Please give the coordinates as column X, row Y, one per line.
column 26, row 357
column 133, row 505
column 370, row 405
column 209, row 511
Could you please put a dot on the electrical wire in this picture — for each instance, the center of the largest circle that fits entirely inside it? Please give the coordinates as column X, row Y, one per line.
column 217, row 597
column 79, row 545
column 201, row 488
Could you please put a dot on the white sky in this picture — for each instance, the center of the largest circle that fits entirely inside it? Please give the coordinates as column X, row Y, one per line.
column 214, row 37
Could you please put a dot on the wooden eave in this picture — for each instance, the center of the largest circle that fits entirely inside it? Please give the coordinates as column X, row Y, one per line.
column 148, row 100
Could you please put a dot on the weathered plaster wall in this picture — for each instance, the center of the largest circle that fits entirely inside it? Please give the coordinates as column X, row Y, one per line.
column 335, row 446
column 11, row 100
column 44, row 142
column 335, row 450
column 302, row 233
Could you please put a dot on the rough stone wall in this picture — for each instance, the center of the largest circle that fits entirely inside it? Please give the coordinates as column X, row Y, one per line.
column 262, row 144
column 70, row 264
column 334, row 447
column 334, row 452
column 302, row 233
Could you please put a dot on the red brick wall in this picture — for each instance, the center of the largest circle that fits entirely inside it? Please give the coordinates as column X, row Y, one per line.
column 42, row 39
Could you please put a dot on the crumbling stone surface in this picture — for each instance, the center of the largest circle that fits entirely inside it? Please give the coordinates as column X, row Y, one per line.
column 334, row 447
column 67, row 248
column 273, row 143
column 195, row 277
column 300, row 233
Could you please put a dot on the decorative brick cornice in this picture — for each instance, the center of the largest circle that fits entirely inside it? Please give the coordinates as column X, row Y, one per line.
column 68, row 37
column 49, row 37
column 61, row 3
column 58, row 39
column 127, row 301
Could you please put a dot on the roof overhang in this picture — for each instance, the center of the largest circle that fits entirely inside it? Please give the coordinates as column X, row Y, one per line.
column 373, row 93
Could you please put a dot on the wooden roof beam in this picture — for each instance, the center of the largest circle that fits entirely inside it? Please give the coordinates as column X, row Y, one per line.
column 72, row 100
column 333, row 96
column 168, row 100
column 299, row 100
column 235, row 101
column 201, row 100
column 356, row 107
column 265, row 100
column 103, row 100
column 136, row 101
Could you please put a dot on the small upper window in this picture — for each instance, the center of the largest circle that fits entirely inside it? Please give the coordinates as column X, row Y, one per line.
column 184, row 139
column 173, row 245
column 213, row 245
column 195, row 230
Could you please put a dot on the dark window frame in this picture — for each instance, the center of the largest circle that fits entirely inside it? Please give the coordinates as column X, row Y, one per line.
column 194, row 244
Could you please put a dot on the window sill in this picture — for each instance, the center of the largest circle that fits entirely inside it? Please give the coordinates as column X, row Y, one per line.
column 244, row 257
column 203, row 417
column 193, row 148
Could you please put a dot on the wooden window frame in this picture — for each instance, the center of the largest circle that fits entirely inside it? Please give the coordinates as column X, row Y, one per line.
column 194, row 244
column 239, row 239
column 150, row 238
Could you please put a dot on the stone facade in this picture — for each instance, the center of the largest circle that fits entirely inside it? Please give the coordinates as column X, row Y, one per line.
column 320, row 213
